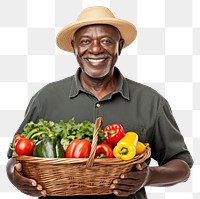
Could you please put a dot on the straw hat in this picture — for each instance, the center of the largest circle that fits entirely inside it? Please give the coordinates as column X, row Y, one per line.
column 95, row 15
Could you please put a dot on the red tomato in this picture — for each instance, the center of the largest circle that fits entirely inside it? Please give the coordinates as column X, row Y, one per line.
column 24, row 146
column 78, row 149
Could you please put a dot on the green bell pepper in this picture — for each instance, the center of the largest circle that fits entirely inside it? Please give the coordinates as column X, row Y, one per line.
column 49, row 147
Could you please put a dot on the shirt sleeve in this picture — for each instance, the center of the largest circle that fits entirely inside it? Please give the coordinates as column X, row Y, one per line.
column 167, row 141
column 31, row 114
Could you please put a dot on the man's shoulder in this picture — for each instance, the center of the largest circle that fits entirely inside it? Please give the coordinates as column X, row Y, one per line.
column 137, row 88
column 56, row 87
column 60, row 83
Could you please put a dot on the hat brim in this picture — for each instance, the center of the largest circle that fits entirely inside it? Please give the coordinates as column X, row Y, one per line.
column 65, row 35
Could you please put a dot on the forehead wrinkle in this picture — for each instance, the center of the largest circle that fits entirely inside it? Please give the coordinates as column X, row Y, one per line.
column 95, row 27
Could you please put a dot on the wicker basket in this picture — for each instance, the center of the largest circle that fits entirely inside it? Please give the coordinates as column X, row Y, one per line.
column 78, row 176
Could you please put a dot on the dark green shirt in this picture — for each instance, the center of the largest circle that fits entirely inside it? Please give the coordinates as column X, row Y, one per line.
column 137, row 107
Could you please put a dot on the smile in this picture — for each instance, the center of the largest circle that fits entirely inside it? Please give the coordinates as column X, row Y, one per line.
column 96, row 60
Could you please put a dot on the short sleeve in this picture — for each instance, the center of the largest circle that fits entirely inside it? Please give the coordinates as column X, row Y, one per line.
column 167, row 141
column 31, row 114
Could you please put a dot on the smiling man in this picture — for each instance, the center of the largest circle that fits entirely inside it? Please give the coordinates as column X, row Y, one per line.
column 97, row 48
column 98, row 89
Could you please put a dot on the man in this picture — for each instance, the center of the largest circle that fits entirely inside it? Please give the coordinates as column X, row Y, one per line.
column 99, row 89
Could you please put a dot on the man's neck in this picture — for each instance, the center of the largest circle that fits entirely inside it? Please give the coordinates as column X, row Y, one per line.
column 99, row 87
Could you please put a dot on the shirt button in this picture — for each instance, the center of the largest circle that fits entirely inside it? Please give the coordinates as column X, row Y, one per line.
column 98, row 105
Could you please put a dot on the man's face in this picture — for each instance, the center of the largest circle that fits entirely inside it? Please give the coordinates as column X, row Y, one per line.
column 97, row 48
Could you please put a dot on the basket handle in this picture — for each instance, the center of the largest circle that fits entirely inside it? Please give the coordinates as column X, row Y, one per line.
column 97, row 126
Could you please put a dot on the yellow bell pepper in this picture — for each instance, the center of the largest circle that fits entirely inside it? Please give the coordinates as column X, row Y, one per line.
column 126, row 147
column 140, row 148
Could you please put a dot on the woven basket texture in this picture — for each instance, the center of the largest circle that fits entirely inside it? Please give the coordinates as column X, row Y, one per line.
column 78, row 176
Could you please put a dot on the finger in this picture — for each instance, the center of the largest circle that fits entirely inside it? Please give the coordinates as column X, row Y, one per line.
column 33, row 191
column 27, row 185
column 23, row 180
column 122, row 186
column 39, row 187
column 18, row 168
column 125, row 187
column 121, row 193
column 44, row 193
column 141, row 166
column 28, row 188
column 138, row 167
column 132, row 176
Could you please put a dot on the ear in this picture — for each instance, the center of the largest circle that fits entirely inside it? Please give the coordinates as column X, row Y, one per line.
column 121, row 44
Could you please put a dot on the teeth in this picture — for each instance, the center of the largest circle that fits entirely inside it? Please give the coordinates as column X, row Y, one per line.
column 95, row 60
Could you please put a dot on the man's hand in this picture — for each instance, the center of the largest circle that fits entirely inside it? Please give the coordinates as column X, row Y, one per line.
column 131, row 182
column 171, row 173
column 25, row 185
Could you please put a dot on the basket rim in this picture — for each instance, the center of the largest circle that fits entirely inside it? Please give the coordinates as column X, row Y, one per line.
column 137, row 158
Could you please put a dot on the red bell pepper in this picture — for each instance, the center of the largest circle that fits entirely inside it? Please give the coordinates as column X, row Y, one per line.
column 78, row 149
column 104, row 150
column 113, row 133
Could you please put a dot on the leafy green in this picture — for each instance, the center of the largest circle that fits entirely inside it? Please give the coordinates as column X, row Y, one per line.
column 66, row 131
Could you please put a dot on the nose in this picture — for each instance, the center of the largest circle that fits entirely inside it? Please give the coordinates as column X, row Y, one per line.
column 95, row 47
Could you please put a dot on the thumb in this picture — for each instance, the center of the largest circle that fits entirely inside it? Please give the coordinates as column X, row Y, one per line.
column 18, row 167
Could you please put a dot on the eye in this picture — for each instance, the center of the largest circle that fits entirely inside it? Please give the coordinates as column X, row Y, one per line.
column 84, row 41
column 106, row 41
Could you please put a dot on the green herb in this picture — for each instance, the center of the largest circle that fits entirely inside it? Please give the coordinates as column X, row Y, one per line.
column 66, row 131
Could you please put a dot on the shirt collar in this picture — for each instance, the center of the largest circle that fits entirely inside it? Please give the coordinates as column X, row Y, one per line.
column 76, row 85
column 122, row 85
